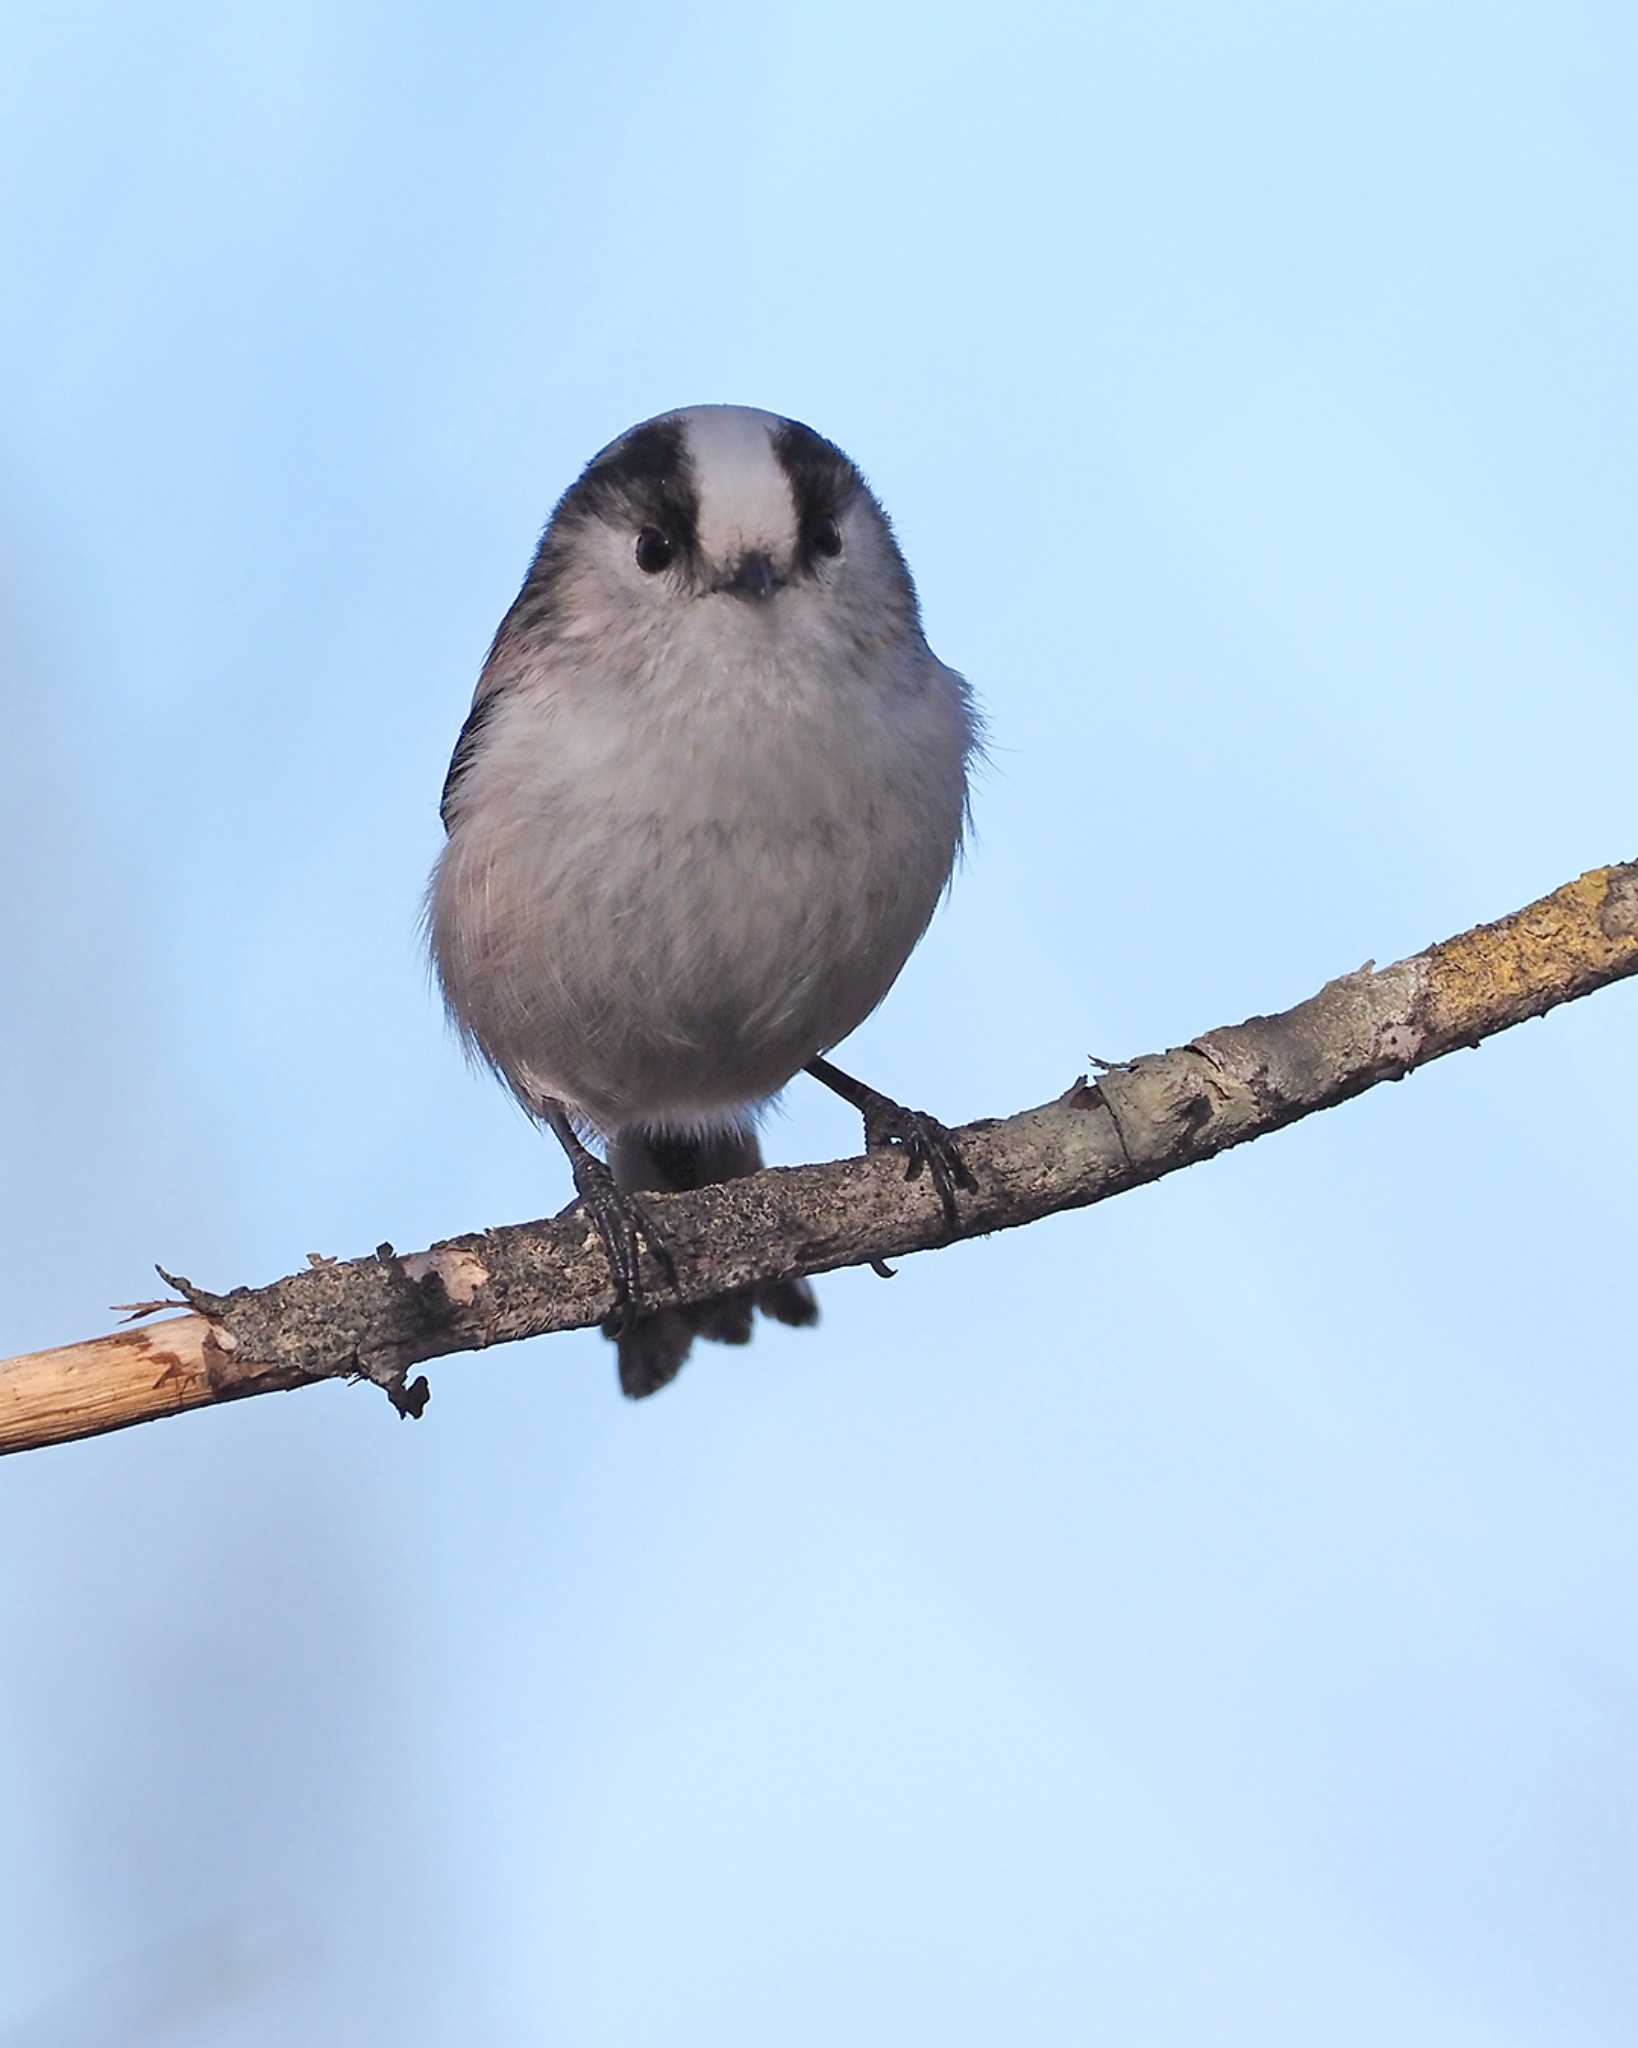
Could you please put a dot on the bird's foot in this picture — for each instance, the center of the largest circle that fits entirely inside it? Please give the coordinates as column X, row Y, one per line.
column 928, row 1147
column 625, row 1224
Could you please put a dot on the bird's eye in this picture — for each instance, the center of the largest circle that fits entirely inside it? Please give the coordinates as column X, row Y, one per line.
column 827, row 538
column 653, row 551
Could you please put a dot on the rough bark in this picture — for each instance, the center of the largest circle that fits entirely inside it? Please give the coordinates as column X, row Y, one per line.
column 381, row 1317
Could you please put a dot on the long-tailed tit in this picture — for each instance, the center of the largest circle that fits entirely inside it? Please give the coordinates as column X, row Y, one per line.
column 710, row 791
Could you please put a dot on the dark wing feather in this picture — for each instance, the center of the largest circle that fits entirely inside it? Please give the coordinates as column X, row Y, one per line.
column 466, row 748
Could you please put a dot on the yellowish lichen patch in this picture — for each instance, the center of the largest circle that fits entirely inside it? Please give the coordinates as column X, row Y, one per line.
column 1539, row 956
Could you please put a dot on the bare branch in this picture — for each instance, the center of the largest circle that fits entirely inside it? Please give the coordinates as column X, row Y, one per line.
column 380, row 1317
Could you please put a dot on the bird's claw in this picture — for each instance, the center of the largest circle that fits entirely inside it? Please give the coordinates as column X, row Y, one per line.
column 928, row 1147
column 625, row 1223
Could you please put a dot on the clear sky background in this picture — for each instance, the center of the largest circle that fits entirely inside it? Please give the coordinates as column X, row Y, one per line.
column 1208, row 1618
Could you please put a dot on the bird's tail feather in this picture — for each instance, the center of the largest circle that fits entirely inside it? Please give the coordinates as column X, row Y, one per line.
column 656, row 1162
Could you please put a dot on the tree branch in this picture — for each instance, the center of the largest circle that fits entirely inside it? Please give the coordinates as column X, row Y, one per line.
column 380, row 1317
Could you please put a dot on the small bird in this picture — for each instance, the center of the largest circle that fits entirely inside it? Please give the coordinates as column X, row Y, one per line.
column 711, row 788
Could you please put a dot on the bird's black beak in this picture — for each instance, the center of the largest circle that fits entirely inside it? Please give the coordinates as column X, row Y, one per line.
column 754, row 576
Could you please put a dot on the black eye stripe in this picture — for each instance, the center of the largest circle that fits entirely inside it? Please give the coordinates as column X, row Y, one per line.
column 644, row 480
column 820, row 476
column 823, row 482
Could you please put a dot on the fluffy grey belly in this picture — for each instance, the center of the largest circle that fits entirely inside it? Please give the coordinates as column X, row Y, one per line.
column 677, row 972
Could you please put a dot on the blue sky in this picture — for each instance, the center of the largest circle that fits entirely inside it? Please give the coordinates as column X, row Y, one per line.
column 1206, row 1618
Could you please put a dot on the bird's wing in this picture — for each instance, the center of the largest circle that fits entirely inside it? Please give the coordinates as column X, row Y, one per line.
column 466, row 748
column 507, row 656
